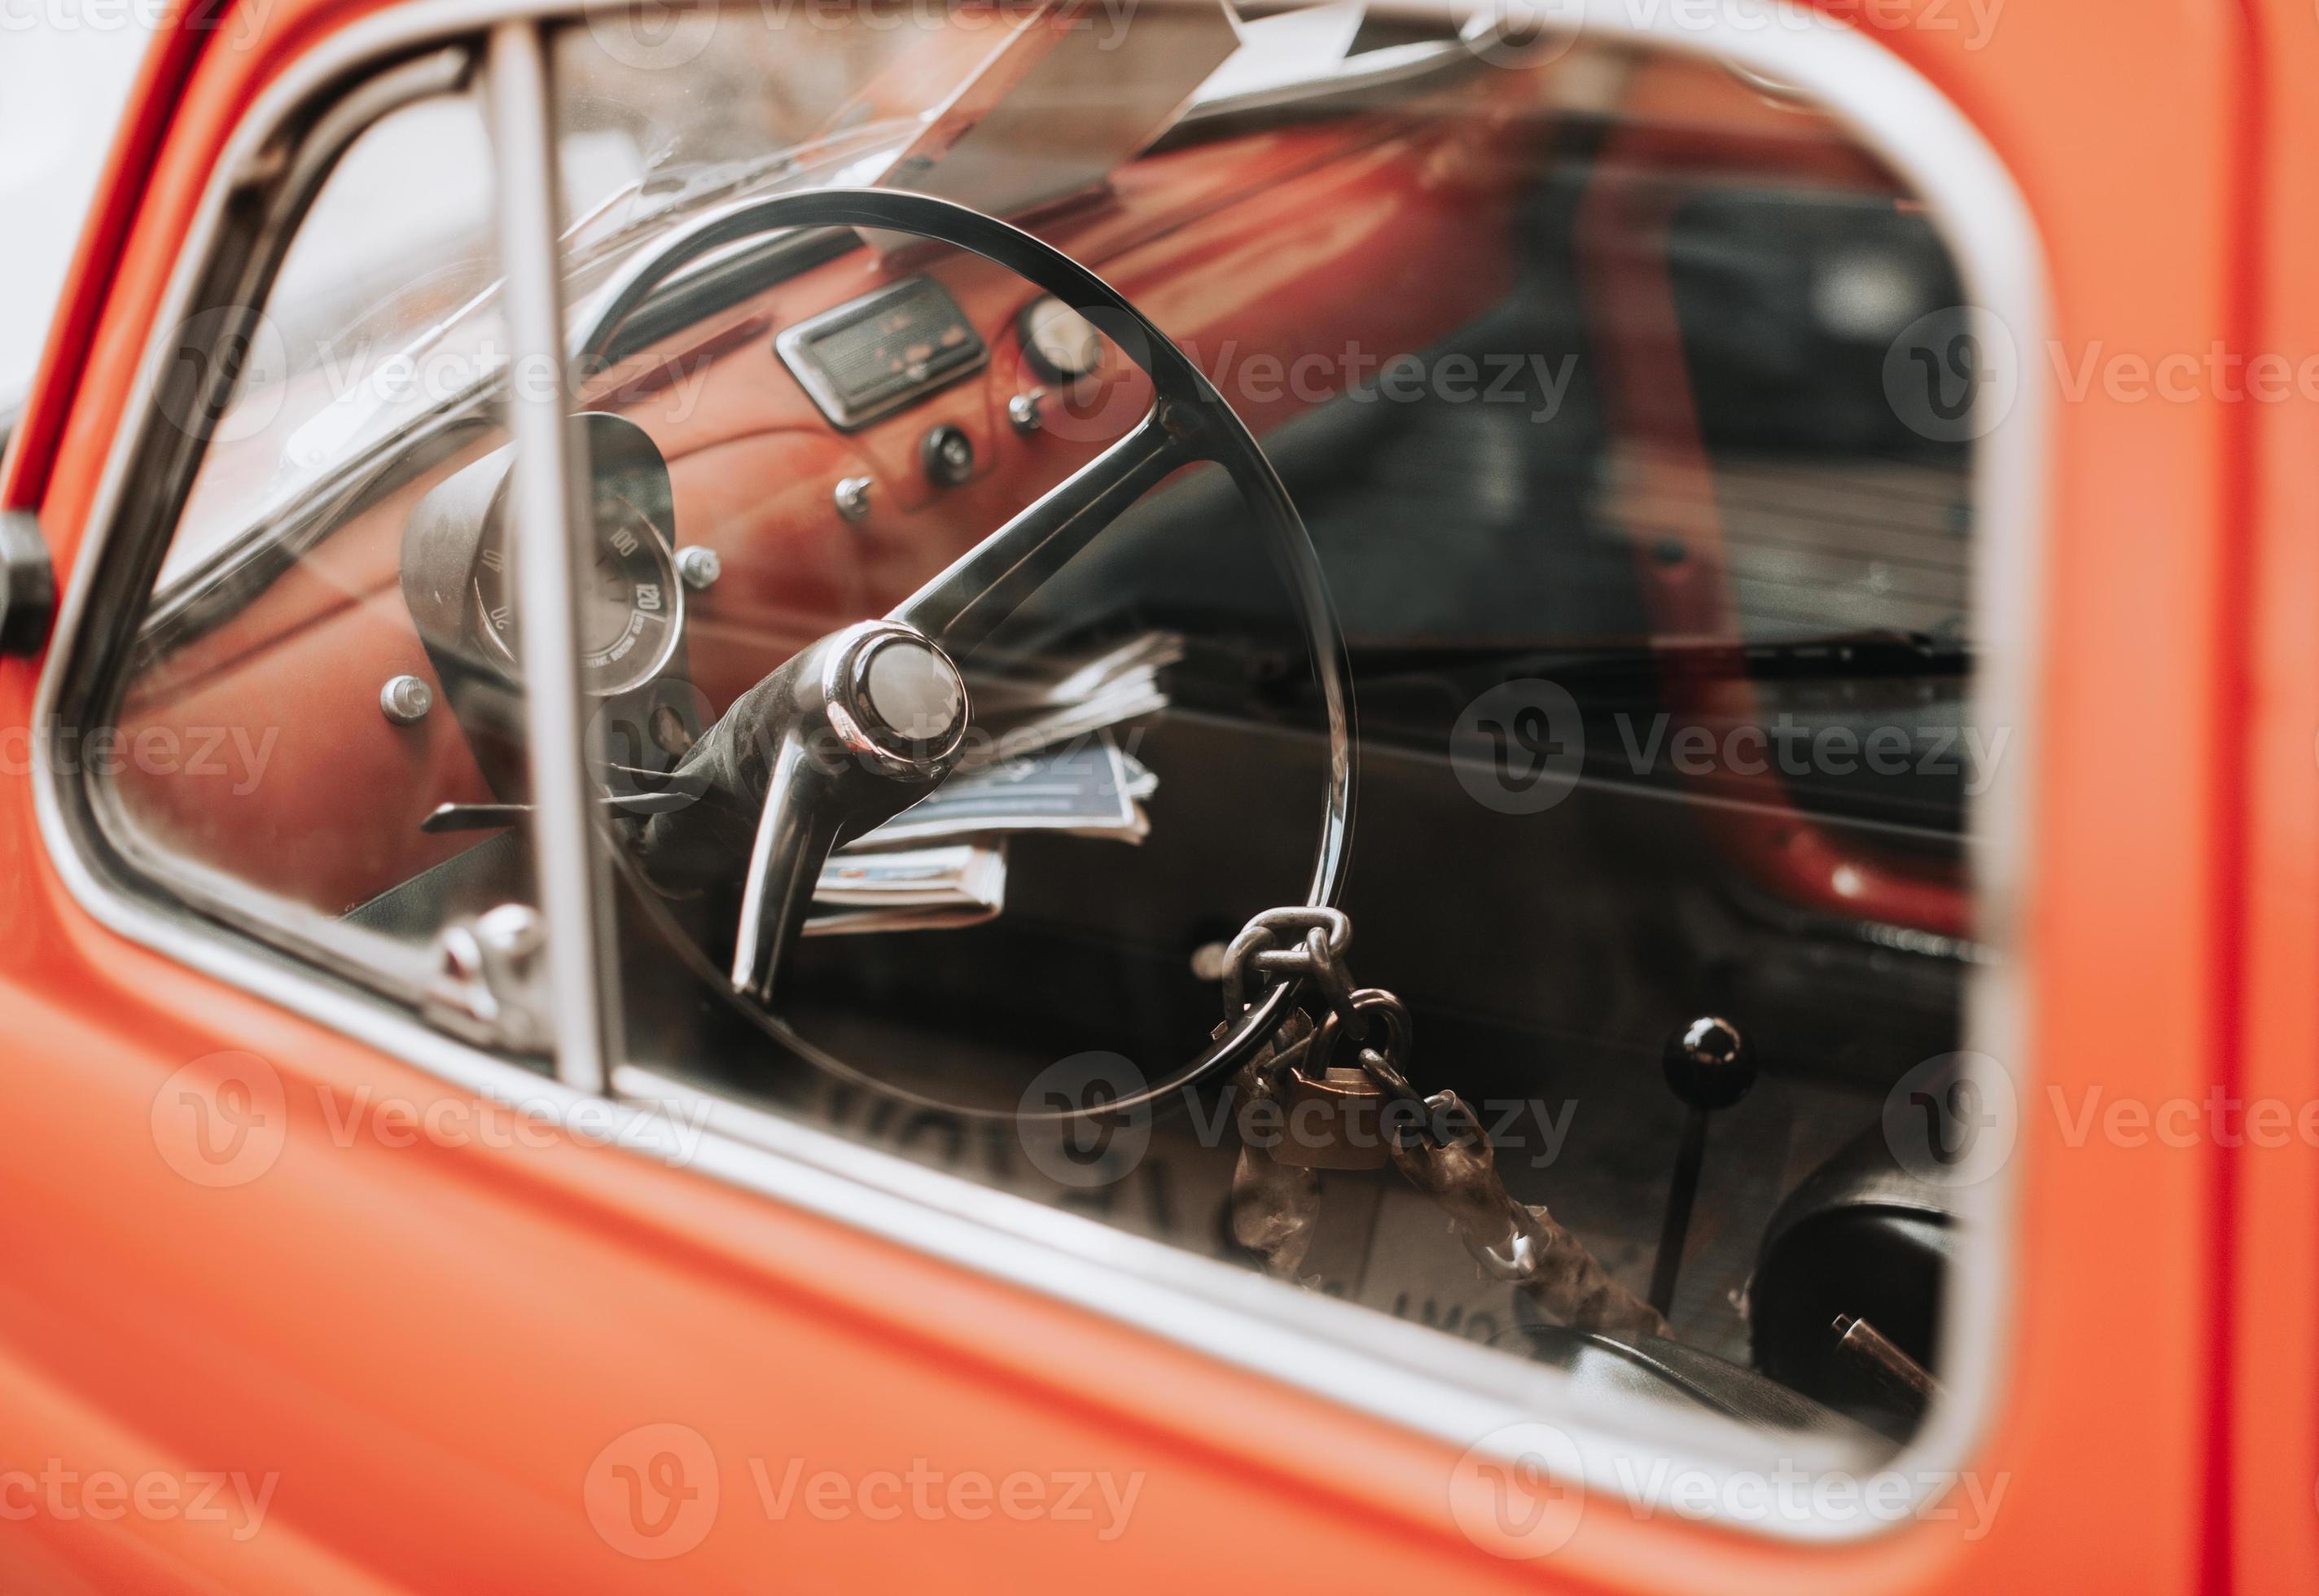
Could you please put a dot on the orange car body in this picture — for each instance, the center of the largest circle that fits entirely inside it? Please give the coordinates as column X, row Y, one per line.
column 428, row 1348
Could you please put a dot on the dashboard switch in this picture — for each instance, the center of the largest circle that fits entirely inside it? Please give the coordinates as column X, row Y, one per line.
column 853, row 497
column 948, row 455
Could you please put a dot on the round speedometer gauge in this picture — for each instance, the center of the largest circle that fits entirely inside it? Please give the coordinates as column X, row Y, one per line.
column 630, row 601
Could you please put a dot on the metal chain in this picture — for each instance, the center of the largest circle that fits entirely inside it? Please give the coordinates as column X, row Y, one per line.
column 1448, row 1156
column 1317, row 955
column 1513, row 1240
column 1304, row 940
column 1275, row 1207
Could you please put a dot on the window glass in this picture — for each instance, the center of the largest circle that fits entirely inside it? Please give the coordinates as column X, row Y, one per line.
column 383, row 310
column 321, row 711
column 1587, row 372
column 1557, row 457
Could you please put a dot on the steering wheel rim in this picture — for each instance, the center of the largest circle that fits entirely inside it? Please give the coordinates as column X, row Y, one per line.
column 1185, row 403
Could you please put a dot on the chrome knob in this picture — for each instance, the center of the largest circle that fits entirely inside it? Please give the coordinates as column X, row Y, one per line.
column 853, row 498
column 405, row 701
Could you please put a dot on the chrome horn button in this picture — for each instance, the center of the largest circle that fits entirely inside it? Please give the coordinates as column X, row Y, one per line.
column 910, row 691
column 895, row 697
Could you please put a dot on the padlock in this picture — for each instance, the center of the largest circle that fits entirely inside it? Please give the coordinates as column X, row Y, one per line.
column 1332, row 1120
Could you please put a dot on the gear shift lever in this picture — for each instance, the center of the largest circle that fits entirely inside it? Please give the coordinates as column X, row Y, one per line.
column 1710, row 1065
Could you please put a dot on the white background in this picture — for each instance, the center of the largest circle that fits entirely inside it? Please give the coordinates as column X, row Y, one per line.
column 64, row 80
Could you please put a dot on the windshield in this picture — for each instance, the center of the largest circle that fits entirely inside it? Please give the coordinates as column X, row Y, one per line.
column 387, row 305
column 386, row 309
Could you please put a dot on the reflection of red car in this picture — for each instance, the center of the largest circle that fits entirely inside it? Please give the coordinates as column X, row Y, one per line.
column 1820, row 576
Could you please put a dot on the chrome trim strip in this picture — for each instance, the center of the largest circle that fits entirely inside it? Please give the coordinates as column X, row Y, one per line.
column 1353, row 1357
column 549, row 514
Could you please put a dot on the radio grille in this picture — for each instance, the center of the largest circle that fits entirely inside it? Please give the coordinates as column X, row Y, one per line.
column 876, row 354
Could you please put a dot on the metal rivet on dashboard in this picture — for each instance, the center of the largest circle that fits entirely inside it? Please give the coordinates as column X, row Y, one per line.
column 405, row 700
column 700, row 566
column 853, row 498
column 1023, row 411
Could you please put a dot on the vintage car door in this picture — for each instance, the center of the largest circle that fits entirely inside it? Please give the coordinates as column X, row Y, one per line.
column 308, row 1291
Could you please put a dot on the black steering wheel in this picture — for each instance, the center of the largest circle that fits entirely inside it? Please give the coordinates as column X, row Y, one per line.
column 867, row 720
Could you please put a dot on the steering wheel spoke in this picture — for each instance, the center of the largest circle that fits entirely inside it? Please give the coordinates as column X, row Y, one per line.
column 796, row 832
column 967, row 602
column 847, row 734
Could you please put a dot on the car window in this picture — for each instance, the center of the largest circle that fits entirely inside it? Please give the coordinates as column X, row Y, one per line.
column 1585, row 371
column 1368, row 677
column 381, row 313
column 291, row 736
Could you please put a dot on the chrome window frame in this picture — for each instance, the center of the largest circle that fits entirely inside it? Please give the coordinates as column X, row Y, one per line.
column 1349, row 1354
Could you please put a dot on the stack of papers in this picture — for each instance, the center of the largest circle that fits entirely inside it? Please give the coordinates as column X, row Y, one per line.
column 1024, row 708
column 1045, row 761
column 1084, row 788
column 910, row 889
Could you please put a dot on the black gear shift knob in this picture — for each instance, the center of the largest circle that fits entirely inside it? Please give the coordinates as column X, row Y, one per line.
column 1708, row 1063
